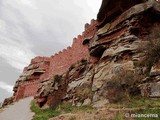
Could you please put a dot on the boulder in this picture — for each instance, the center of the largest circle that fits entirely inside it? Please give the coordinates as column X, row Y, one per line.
column 150, row 90
column 101, row 103
column 8, row 101
column 87, row 102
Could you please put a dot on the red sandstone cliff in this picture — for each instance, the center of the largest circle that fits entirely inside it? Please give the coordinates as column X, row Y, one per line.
column 105, row 55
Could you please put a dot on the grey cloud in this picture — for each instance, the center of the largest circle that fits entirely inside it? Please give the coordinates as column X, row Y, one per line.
column 30, row 28
column 4, row 94
column 8, row 74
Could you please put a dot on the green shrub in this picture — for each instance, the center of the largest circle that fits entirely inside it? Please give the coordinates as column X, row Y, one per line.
column 43, row 114
column 144, row 102
column 68, row 108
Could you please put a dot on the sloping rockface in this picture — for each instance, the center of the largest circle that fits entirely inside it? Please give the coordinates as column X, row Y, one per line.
column 64, row 87
column 118, row 65
column 123, row 60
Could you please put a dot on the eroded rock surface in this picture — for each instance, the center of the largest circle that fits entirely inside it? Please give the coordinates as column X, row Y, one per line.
column 114, row 54
column 113, row 65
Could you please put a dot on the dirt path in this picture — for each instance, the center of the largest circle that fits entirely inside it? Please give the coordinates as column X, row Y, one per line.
column 18, row 111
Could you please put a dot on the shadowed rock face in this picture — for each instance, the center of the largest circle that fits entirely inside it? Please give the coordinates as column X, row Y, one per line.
column 112, row 8
column 131, row 21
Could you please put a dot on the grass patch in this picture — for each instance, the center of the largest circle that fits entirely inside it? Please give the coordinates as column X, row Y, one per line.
column 144, row 102
column 68, row 108
column 45, row 114
column 150, row 107
column 141, row 114
column 119, row 116
column 150, row 112
column 41, row 114
column 136, row 102
column 146, row 106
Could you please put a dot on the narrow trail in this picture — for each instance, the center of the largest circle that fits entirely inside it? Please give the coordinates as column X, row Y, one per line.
column 18, row 111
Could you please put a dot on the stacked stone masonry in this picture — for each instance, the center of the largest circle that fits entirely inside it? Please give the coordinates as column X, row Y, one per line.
column 28, row 82
column 42, row 68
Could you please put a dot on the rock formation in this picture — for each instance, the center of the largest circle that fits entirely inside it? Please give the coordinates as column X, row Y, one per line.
column 28, row 82
column 7, row 101
column 103, row 63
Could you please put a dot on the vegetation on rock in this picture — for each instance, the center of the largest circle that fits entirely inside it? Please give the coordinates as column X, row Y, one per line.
column 45, row 114
column 151, row 50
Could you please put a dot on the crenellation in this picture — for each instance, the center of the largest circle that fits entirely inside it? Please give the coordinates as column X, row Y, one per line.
column 86, row 26
column 75, row 40
column 41, row 68
column 59, row 52
column 79, row 36
column 90, row 29
column 68, row 47
column 55, row 54
column 52, row 56
column 39, row 59
column 64, row 50
column 93, row 21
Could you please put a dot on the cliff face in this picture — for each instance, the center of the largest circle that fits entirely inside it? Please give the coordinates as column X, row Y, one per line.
column 115, row 59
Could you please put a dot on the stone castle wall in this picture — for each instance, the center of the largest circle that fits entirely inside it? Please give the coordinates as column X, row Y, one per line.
column 64, row 59
column 28, row 82
column 27, row 89
column 41, row 68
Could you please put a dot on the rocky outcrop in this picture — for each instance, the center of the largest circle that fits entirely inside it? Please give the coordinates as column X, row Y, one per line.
column 151, row 84
column 111, row 70
column 114, row 66
column 8, row 101
column 73, row 86
column 51, row 91
column 80, row 78
column 119, row 43
column 28, row 82
column 110, row 9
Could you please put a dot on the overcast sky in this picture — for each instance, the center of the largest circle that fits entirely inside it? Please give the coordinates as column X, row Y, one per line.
column 30, row 28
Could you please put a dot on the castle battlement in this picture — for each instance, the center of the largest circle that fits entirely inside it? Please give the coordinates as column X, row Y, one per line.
column 90, row 29
column 39, row 59
column 61, row 61
column 91, row 25
column 44, row 67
